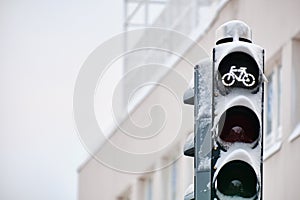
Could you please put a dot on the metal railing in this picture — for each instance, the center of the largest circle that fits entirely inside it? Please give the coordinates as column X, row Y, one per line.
column 189, row 18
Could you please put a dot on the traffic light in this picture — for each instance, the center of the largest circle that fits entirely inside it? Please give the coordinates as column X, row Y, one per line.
column 198, row 144
column 237, row 110
column 189, row 146
column 189, row 150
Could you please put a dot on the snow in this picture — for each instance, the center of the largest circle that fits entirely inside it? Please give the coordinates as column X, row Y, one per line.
column 236, row 97
column 234, row 29
column 203, row 157
column 224, row 197
column 204, row 89
column 243, row 152
column 203, row 115
column 189, row 142
column 253, row 50
column 204, row 164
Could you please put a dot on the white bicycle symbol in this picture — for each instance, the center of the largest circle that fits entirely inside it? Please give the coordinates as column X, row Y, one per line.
column 229, row 78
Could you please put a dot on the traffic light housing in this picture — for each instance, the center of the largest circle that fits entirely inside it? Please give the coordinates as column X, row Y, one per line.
column 237, row 110
column 198, row 144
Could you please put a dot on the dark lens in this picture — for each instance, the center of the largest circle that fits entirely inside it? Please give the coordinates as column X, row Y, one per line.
column 239, row 124
column 239, row 60
column 237, row 178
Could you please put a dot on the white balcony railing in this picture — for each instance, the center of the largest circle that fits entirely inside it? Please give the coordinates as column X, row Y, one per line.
column 189, row 17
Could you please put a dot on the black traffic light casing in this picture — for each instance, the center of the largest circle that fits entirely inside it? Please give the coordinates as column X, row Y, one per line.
column 237, row 114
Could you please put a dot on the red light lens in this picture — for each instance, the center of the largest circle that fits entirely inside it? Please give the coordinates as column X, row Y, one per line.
column 239, row 124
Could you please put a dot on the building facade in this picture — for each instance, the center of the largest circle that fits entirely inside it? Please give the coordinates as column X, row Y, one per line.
column 167, row 174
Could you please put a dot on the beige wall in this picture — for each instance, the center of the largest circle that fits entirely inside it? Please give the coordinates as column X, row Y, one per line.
column 98, row 181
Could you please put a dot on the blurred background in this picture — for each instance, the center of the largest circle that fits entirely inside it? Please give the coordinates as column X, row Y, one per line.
column 44, row 45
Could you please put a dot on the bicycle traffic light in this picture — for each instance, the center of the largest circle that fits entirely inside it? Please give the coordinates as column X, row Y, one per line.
column 237, row 110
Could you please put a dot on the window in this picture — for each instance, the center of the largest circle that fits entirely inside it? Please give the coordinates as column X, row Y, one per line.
column 170, row 179
column 174, row 181
column 295, row 95
column 149, row 189
column 272, row 115
column 165, row 182
column 270, row 105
